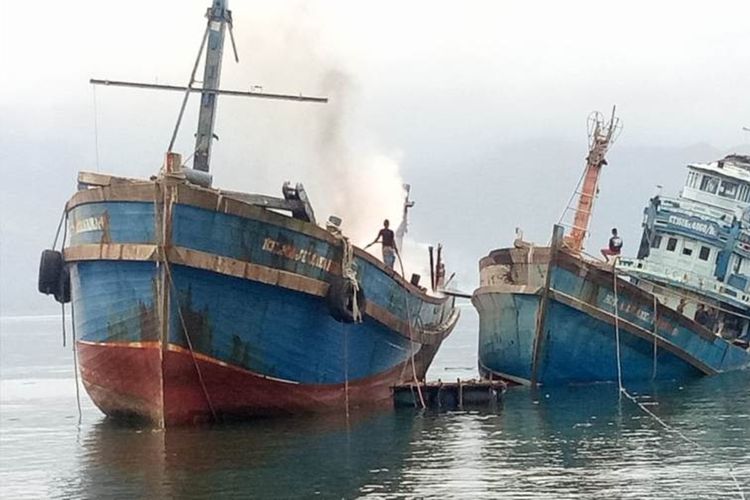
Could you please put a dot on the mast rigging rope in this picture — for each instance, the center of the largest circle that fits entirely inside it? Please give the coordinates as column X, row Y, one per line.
column 411, row 336
column 623, row 392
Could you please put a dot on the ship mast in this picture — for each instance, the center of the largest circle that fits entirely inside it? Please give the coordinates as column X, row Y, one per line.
column 218, row 18
column 601, row 136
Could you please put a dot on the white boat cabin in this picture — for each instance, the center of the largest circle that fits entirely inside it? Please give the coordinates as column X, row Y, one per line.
column 697, row 245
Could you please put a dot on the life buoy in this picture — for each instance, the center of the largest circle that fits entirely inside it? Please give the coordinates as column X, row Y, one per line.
column 339, row 299
column 54, row 278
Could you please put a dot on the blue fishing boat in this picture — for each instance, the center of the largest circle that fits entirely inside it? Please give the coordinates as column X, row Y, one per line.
column 192, row 303
column 680, row 309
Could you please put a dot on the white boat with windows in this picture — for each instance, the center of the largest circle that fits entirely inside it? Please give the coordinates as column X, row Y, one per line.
column 695, row 250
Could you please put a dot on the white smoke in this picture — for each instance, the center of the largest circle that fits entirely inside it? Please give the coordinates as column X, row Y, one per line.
column 363, row 186
column 327, row 147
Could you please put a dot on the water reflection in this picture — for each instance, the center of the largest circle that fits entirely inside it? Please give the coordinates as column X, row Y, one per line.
column 574, row 442
column 274, row 458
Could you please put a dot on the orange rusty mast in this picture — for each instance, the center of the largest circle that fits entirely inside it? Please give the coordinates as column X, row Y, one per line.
column 601, row 136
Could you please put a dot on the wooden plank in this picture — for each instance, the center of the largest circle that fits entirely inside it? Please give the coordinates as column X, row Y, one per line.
column 449, row 395
column 214, row 200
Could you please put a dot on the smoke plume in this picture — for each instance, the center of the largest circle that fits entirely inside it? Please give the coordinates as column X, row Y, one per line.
column 326, row 147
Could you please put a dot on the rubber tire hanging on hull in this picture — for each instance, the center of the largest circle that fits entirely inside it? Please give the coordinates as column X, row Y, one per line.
column 54, row 277
column 339, row 299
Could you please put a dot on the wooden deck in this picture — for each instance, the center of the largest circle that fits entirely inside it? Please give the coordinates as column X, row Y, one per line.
column 449, row 395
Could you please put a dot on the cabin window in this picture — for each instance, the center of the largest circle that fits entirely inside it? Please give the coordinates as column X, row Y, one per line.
column 728, row 189
column 671, row 244
column 693, row 178
column 704, row 253
column 744, row 193
column 656, row 243
column 687, row 250
column 709, row 184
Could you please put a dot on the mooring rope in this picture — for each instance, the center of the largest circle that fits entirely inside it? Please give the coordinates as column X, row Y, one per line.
column 656, row 333
column 96, row 128
column 349, row 273
column 63, row 216
column 623, row 392
column 189, row 342
column 346, row 370
column 75, row 359
column 64, row 334
column 62, row 250
column 162, row 258
column 63, row 225
column 411, row 337
column 617, row 326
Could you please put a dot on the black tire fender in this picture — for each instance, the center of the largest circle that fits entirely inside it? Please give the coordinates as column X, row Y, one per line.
column 50, row 267
column 54, row 277
column 339, row 300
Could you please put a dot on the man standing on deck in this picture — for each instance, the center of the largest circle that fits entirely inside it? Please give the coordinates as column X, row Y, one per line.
column 389, row 244
column 615, row 245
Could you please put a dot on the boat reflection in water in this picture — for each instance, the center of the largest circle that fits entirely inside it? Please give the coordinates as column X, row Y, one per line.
column 317, row 454
column 560, row 442
column 194, row 303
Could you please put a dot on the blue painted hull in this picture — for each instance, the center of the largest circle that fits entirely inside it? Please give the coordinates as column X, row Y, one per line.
column 232, row 318
column 563, row 331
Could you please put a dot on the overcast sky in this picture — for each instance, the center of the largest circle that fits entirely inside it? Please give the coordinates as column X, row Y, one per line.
column 481, row 106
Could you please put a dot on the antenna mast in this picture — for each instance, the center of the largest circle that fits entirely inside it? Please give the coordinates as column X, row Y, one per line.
column 601, row 136
column 218, row 17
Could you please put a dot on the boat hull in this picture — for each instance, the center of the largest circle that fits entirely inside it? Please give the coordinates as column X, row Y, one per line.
column 135, row 375
column 232, row 318
column 550, row 319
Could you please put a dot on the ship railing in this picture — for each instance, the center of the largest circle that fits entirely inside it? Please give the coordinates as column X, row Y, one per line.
column 688, row 205
column 684, row 278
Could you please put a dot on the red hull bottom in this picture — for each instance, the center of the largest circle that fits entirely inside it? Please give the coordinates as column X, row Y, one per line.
column 142, row 381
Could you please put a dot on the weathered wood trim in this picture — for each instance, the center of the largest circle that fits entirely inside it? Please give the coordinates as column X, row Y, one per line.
column 210, row 359
column 515, row 289
column 147, row 344
column 631, row 328
column 179, row 349
column 138, row 192
column 424, row 336
column 111, row 251
column 223, row 202
column 510, row 256
column 246, row 270
column 601, row 275
column 504, row 376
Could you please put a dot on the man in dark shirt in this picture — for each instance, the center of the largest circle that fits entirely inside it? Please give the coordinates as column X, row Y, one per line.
column 615, row 246
column 701, row 316
column 388, row 240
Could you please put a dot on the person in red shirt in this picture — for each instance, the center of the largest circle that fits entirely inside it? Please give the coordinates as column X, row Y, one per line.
column 388, row 240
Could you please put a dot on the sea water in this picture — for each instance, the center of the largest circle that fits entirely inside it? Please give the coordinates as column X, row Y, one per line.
column 574, row 442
